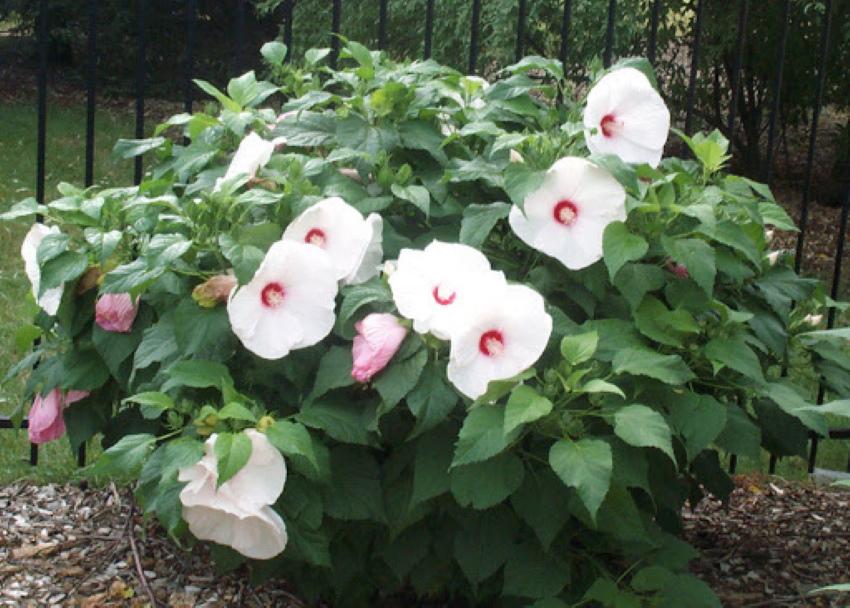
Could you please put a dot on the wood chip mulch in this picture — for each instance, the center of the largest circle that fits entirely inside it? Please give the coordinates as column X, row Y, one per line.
column 66, row 545
column 773, row 543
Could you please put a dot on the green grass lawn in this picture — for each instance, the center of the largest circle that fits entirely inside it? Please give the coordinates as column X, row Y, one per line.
column 65, row 162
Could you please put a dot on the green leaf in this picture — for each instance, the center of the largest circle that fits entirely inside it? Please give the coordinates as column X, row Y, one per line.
column 355, row 489
column 484, row 543
column 585, row 465
column 634, row 281
column 357, row 296
column 294, row 441
column 697, row 256
column 687, row 590
column 153, row 403
column 740, row 435
column 620, row 246
column 418, row 195
column 643, row 427
column 129, row 148
column 525, row 405
column 698, row 419
column 236, row 411
column 24, row 208
column 63, row 268
column 656, row 321
column 597, row 385
column 197, row 373
column 341, row 419
column 607, row 593
column 422, row 135
column 432, row 400
column 224, row 100
column 397, row 380
column 431, row 465
column 232, row 450
column 840, row 588
column 334, row 371
column 670, row 369
column 478, row 221
column 482, row 435
column 735, row 354
column 790, row 402
column 579, row 348
column 520, row 181
column 482, row 485
column 126, row 457
column 157, row 343
column 534, row 574
column 274, row 52
column 533, row 503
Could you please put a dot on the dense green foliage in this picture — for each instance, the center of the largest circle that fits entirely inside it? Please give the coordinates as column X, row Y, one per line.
column 561, row 486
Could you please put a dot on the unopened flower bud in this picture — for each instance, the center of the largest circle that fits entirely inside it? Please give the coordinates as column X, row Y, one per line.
column 813, row 320
column 516, row 157
column 768, row 235
column 680, row 270
column 773, row 257
column 89, row 280
column 350, row 174
column 389, row 268
column 214, row 291
column 264, row 423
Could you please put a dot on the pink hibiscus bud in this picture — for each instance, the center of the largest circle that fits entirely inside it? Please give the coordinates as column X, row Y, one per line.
column 214, row 291
column 680, row 270
column 46, row 422
column 379, row 337
column 116, row 312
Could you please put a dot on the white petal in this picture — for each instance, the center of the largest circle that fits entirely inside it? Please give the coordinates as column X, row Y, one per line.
column 253, row 152
column 344, row 234
column 260, row 482
column 369, row 265
column 51, row 298
column 519, row 316
column 257, row 535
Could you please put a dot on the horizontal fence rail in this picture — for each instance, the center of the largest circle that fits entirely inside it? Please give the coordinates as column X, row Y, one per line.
column 524, row 8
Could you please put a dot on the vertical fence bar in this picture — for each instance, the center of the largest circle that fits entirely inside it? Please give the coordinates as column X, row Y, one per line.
column 191, row 26
column 33, row 454
column 813, row 134
column 692, row 84
column 777, row 90
column 287, row 27
column 42, row 101
column 565, row 33
column 382, row 25
column 81, row 455
column 609, row 33
column 91, row 70
column 141, row 42
column 520, row 30
column 473, row 36
column 336, row 21
column 429, row 29
column 652, row 50
column 239, row 56
column 743, row 11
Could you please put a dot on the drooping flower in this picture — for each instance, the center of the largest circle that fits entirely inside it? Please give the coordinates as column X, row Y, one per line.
column 432, row 285
column 627, row 117
column 566, row 217
column 215, row 290
column 237, row 513
column 252, row 154
column 353, row 243
column 379, row 336
column 503, row 335
column 680, row 270
column 45, row 419
column 49, row 302
column 116, row 312
column 289, row 303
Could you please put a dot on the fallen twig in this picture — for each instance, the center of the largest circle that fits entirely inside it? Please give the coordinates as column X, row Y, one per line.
column 137, row 560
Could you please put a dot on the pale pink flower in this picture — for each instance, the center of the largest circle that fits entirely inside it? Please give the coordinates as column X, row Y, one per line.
column 379, row 336
column 566, row 217
column 116, row 312
column 238, row 512
column 46, row 421
column 215, row 290
column 627, row 117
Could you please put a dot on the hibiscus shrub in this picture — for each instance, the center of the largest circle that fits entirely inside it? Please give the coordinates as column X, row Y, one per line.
column 418, row 333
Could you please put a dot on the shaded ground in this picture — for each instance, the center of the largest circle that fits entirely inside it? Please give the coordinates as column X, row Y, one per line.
column 64, row 545
column 773, row 543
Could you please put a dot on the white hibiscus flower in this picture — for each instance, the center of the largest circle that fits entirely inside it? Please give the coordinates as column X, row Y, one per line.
column 431, row 286
column 626, row 116
column 289, row 303
column 253, row 153
column 237, row 513
column 566, row 216
column 49, row 302
column 353, row 243
column 501, row 336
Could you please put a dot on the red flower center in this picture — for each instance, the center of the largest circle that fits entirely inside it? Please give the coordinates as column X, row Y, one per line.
column 565, row 212
column 610, row 126
column 272, row 295
column 491, row 343
column 315, row 236
column 442, row 296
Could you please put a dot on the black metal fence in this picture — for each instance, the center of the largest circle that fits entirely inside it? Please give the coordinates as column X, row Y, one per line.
column 381, row 9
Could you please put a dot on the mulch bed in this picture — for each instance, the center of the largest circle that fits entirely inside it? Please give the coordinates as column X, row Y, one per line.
column 74, row 546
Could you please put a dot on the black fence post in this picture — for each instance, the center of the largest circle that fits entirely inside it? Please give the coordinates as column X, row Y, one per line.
column 565, row 33
column 239, row 55
column 382, row 25
column 141, row 42
column 652, row 50
column 429, row 29
column 743, row 11
column 189, row 67
column 777, row 91
column 336, row 24
column 609, row 33
column 287, row 27
column 695, row 57
column 520, row 31
column 473, row 36
column 42, row 101
column 91, row 74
